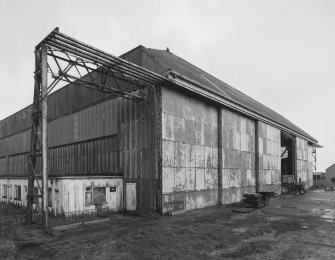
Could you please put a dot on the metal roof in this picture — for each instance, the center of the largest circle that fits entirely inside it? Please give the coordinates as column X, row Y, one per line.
column 176, row 65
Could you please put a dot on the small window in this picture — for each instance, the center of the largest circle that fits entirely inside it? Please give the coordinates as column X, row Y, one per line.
column 4, row 191
column 333, row 179
column 284, row 152
column 11, row 191
column 35, row 195
column 95, row 195
column 17, row 195
column 50, row 197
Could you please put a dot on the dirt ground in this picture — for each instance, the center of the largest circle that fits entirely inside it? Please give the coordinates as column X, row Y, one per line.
column 292, row 227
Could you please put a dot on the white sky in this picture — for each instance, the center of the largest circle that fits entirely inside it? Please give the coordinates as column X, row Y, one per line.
column 281, row 53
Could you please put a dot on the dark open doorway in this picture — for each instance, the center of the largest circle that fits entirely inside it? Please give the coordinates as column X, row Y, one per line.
column 287, row 154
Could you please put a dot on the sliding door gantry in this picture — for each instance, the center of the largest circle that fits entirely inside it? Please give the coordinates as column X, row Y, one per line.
column 62, row 59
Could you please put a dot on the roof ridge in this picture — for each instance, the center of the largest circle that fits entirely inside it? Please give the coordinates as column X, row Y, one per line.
column 234, row 94
column 224, row 83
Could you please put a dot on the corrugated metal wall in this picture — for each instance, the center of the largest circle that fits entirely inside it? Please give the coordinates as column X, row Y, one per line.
column 96, row 125
column 91, row 134
column 138, row 144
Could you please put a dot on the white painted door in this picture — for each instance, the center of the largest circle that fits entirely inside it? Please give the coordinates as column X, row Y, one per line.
column 131, row 196
column 112, row 197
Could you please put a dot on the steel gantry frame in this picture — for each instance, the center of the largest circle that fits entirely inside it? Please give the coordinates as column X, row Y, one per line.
column 73, row 62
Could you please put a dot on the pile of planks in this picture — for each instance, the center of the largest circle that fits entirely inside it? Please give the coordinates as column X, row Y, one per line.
column 255, row 200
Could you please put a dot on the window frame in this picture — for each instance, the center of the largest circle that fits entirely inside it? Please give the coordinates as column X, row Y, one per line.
column 17, row 192
column 89, row 192
column 49, row 199
column 35, row 194
column 4, row 191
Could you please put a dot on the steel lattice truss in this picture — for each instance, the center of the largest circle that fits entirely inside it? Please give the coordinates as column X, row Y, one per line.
column 62, row 59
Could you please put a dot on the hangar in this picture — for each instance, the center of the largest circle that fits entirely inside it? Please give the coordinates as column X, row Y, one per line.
column 146, row 131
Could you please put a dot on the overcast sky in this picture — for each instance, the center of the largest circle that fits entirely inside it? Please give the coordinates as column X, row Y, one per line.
column 281, row 53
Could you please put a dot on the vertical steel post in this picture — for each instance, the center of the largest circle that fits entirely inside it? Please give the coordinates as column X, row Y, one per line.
column 220, row 162
column 44, row 106
column 294, row 158
column 257, row 155
column 34, row 135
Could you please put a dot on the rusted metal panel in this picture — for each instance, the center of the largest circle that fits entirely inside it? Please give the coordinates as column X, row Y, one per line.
column 137, row 136
column 168, row 175
column 269, row 158
column 238, row 156
column 191, row 126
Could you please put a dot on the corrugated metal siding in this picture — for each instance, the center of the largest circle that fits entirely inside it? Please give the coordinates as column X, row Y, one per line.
column 18, row 143
column 16, row 122
column 137, row 132
column 92, row 122
column 62, row 102
column 93, row 157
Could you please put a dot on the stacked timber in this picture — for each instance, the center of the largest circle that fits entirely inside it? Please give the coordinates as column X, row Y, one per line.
column 255, row 200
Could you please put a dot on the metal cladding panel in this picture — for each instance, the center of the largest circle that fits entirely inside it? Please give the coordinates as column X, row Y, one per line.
column 14, row 144
column 93, row 157
column 189, row 151
column 269, row 158
column 146, row 196
column 171, row 62
column 140, row 56
column 137, row 142
column 62, row 102
column 303, row 163
column 238, row 156
column 16, row 165
column 90, row 123
column 16, row 122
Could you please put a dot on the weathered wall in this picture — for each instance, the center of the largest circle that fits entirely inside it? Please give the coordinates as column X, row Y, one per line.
column 330, row 175
column 310, row 165
column 269, row 158
column 189, row 152
column 238, row 156
column 138, row 146
column 303, row 172
column 81, row 143
column 68, row 195
column 71, row 195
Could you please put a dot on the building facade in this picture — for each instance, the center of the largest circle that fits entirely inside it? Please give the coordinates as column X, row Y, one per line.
column 192, row 143
column 330, row 175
